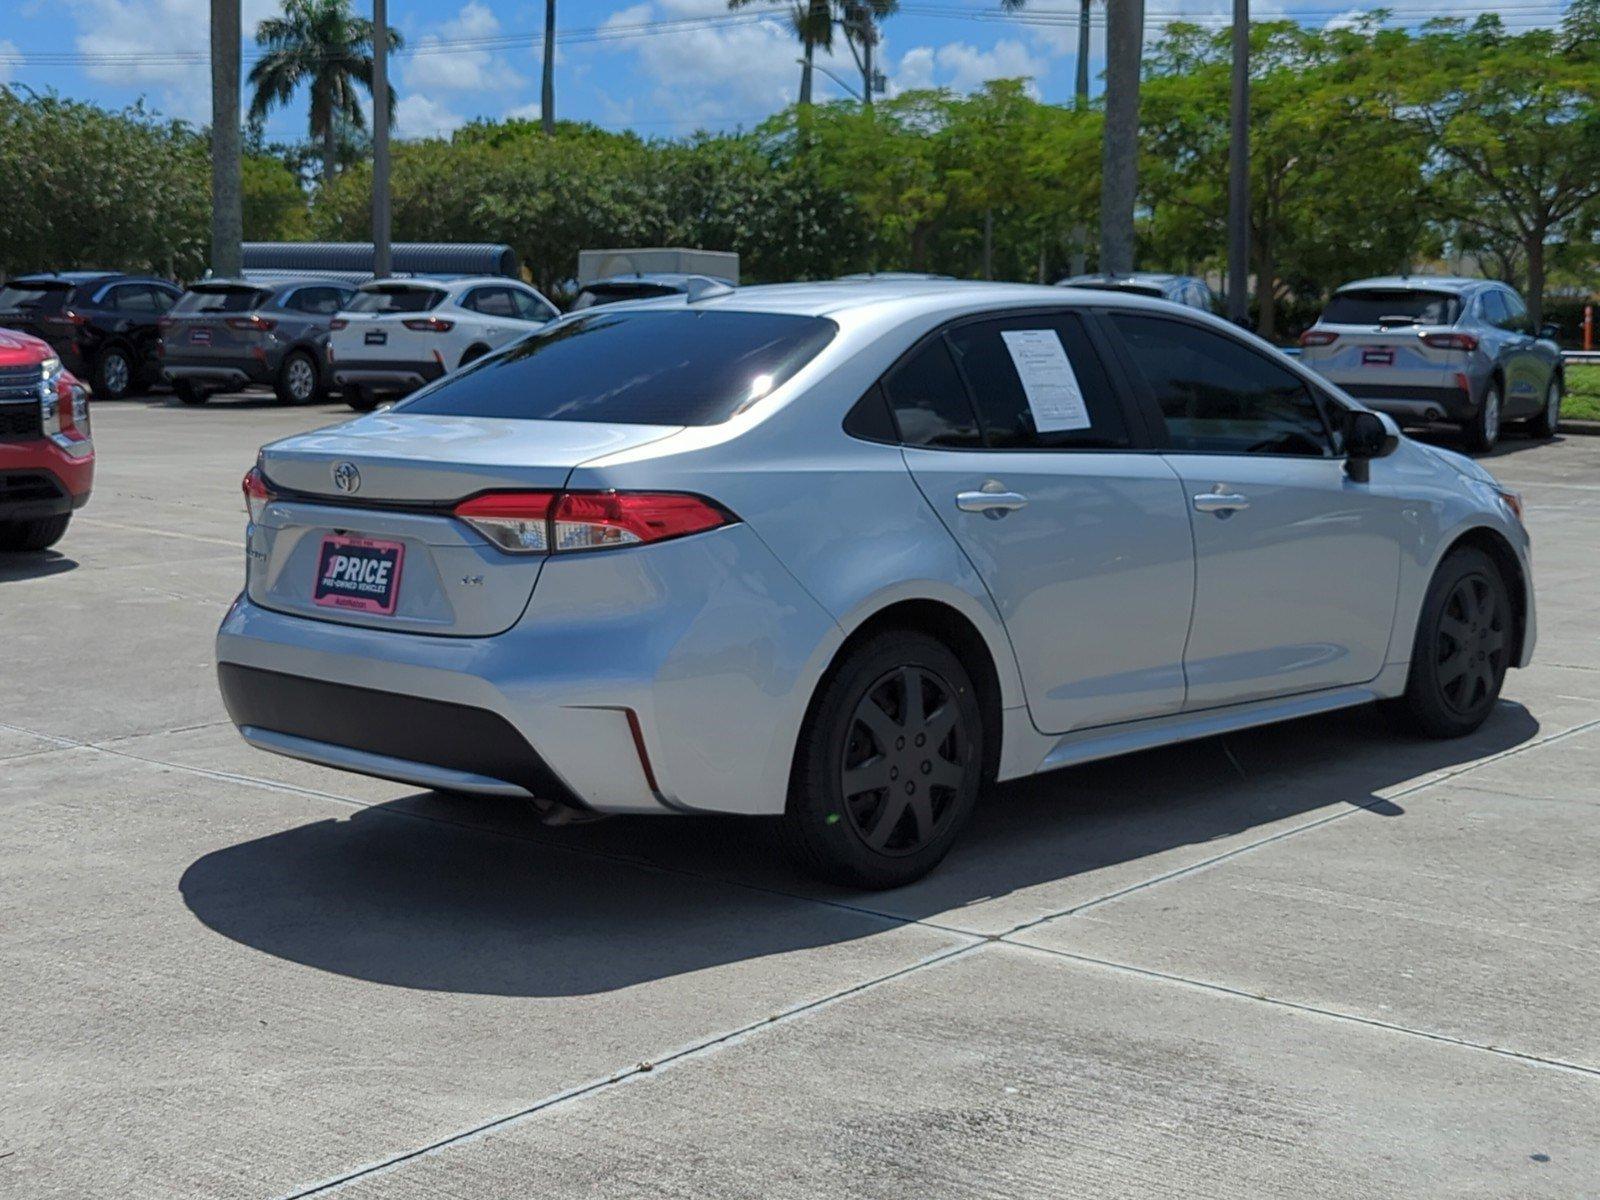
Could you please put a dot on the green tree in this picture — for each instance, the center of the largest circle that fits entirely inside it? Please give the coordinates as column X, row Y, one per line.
column 322, row 46
column 274, row 202
column 1513, row 121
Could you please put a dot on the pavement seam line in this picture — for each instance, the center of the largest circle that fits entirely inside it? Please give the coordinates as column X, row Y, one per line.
column 1235, row 852
column 695, row 1050
column 1538, row 1060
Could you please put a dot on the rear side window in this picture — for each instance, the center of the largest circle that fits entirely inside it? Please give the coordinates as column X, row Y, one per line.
column 1217, row 395
column 319, row 300
column 670, row 367
column 138, row 298
column 1038, row 384
column 221, row 300
column 395, row 299
column 929, row 400
column 490, row 301
column 1392, row 306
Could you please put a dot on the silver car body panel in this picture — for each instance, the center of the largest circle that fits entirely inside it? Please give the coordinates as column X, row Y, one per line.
column 676, row 676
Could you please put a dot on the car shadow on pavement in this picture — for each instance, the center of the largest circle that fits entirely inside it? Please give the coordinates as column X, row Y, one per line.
column 34, row 565
column 473, row 895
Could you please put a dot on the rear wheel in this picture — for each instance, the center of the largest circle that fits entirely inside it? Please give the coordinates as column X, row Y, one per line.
column 297, row 381
column 1483, row 429
column 190, row 393
column 1463, row 646
column 362, row 399
column 889, row 764
column 113, row 374
column 39, row 534
column 1549, row 418
column 472, row 354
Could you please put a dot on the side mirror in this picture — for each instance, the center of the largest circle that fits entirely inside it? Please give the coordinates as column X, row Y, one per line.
column 1549, row 331
column 1367, row 435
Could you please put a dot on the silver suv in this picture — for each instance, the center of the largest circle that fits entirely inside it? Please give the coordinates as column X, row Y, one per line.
column 1434, row 348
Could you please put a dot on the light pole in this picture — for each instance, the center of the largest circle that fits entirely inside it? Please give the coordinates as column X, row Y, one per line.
column 815, row 66
column 380, row 138
column 226, row 203
column 1239, row 172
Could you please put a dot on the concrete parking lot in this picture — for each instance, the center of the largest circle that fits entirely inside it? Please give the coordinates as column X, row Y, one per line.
column 1319, row 960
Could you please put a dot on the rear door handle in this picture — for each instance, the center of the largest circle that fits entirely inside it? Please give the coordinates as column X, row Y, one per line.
column 992, row 500
column 1220, row 502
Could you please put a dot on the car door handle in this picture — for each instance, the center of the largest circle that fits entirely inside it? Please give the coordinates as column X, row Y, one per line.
column 992, row 501
column 1220, row 502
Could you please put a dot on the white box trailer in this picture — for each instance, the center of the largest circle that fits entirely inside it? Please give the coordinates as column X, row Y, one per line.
column 657, row 260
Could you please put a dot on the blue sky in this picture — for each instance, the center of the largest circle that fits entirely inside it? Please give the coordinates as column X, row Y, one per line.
column 660, row 67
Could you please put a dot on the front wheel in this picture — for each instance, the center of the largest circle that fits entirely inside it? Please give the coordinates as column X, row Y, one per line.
column 1549, row 419
column 1463, row 646
column 1483, row 430
column 40, row 534
column 889, row 764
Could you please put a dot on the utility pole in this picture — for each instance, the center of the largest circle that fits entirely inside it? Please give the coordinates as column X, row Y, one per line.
column 380, row 139
column 1080, row 103
column 1119, row 157
column 227, row 217
column 547, row 90
column 1239, row 172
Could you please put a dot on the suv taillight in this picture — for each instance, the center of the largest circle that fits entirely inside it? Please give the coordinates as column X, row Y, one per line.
column 256, row 493
column 254, row 322
column 1318, row 337
column 556, row 522
column 338, row 323
column 1450, row 341
column 429, row 324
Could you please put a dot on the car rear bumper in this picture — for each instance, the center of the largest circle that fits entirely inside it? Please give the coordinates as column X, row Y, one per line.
column 660, row 678
column 386, row 375
column 225, row 372
column 1416, row 403
column 38, row 479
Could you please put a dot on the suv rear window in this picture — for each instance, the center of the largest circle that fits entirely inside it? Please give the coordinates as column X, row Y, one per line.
column 33, row 296
column 395, row 299
column 219, row 300
column 671, row 367
column 1392, row 306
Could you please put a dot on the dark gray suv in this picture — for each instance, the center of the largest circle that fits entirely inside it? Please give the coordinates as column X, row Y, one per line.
column 234, row 333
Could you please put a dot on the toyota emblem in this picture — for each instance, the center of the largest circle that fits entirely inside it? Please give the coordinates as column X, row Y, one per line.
column 346, row 478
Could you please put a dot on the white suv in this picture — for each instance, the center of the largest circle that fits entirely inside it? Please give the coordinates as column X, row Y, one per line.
column 398, row 334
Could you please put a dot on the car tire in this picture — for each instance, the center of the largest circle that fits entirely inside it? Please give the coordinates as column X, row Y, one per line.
column 113, row 374
column 1483, row 429
column 472, row 354
column 190, row 393
column 299, row 381
column 1548, row 420
column 39, row 534
column 362, row 399
column 1463, row 646
column 923, row 760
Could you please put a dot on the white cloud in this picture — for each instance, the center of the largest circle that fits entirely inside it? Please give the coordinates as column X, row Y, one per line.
column 524, row 112
column 7, row 71
column 964, row 68
column 418, row 115
column 437, row 66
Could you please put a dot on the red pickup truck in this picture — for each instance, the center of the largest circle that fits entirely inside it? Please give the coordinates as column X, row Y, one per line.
column 46, row 455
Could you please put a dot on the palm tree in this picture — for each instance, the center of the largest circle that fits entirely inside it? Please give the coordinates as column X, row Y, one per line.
column 1119, row 157
column 227, row 165
column 321, row 45
column 547, row 90
column 859, row 19
column 813, row 25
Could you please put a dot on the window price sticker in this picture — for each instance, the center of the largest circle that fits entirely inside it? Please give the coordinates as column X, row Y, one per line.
column 1047, row 379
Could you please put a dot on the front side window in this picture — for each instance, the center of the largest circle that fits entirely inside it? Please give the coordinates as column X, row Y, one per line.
column 1038, row 384
column 1516, row 313
column 138, row 298
column 529, row 307
column 664, row 367
column 930, row 402
column 491, row 302
column 1219, row 396
column 318, row 300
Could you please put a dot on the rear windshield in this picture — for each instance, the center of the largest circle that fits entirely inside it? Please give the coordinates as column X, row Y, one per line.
column 610, row 293
column 1392, row 306
column 36, row 296
column 670, row 367
column 395, row 299
column 221, row 300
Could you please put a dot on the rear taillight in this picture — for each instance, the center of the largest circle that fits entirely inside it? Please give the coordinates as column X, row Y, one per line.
column 254, row 322
column 1450, row 341
column 69, row 317
column 256, row 493
column 1318, row 337
column 165, row 323
column 555, row 522
column 337, row 323
column 429, row 324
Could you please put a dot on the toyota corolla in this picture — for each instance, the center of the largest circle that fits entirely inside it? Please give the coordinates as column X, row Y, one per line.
column 843, row 555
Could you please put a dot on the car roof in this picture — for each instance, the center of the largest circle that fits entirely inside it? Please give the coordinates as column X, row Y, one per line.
column 256, row 283
column 1149, row 278
column 1422, row 283
column 73, row 277
column 434, row 284
column 676, row 279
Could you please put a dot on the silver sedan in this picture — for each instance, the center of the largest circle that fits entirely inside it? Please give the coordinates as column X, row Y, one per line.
column 846, row 554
